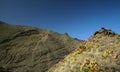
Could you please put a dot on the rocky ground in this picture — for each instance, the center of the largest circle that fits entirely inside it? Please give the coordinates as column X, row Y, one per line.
column 100, row 53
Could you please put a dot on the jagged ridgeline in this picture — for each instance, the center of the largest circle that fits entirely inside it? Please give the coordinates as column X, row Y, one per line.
column 30, row 49
column 100, row 53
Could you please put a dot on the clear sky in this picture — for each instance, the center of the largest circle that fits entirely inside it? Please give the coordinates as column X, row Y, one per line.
column 79, row 18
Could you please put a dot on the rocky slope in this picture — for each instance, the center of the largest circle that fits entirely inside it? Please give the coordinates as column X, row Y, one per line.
column 100, row 53
column 29, row 49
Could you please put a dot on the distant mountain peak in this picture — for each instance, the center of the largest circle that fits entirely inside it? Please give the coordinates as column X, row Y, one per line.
column 1, row 22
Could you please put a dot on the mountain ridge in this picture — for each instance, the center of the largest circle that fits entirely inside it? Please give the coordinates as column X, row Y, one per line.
column 30, row 49
column 100, row 53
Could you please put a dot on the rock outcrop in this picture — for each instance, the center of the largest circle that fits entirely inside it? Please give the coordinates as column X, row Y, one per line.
column 104, row 31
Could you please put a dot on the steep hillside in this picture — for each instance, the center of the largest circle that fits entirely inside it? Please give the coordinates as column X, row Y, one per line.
column 29, row 49
column 100, row 53
column 6, row 30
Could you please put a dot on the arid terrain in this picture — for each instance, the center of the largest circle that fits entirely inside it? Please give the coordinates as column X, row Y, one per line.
column 30, row 49
column 100, row 53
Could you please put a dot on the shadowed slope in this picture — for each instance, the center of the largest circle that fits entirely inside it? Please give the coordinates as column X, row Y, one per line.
column 29, row 49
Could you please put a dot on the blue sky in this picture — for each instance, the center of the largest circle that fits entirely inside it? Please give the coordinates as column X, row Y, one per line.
column 79, row 18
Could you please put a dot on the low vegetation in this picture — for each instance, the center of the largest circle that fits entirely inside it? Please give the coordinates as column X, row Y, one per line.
column 100, row 53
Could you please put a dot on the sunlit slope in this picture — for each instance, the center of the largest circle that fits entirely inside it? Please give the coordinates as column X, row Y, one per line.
column 100, row 53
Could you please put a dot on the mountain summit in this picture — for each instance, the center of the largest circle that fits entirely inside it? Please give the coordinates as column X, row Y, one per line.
column 100, row 53
column 104, row 31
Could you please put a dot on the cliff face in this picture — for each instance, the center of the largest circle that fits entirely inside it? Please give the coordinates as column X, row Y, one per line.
column 29, row 49
column 100, row 53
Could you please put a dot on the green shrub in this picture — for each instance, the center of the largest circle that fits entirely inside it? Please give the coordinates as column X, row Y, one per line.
column 2, row 69
column 85, row 69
